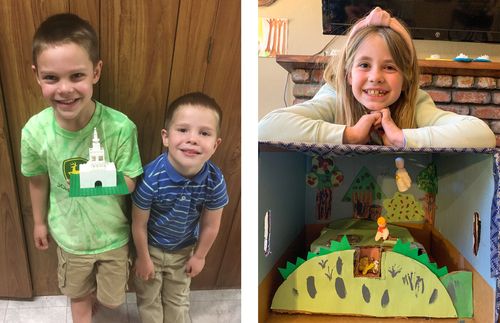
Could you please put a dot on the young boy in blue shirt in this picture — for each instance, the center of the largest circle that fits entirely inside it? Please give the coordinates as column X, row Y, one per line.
column 177, row 208
column 92, row 233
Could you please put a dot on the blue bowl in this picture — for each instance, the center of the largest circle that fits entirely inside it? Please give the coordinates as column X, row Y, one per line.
column 481, row 60
column 462, row 59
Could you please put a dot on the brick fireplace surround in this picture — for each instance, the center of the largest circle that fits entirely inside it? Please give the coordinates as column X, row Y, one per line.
column 464, row 88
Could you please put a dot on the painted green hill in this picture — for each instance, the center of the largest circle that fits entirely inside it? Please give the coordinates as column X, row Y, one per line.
column 326, row 284
column 334, row 246
column 405, row 249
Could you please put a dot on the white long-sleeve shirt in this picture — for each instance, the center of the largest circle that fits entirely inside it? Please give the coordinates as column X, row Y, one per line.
column 313, row 121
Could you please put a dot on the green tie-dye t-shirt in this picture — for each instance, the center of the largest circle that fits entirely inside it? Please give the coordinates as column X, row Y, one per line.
column 82, row 225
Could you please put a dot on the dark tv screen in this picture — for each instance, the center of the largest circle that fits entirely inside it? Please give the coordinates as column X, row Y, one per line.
column 454, row 20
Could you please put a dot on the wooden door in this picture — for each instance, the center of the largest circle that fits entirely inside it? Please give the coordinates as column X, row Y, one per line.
column 137, row 45
column 223, row 82
column 207, row 58
column 153, row 51
column 15, row 280
column 23, row 99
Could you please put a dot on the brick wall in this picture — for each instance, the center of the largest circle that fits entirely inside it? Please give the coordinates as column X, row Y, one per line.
column 463, row 94
column 476, row 96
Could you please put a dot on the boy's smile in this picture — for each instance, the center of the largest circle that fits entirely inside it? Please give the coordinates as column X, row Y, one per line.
column 375, row 79
column 191, row 138
column 66, row 76
column 190, row 152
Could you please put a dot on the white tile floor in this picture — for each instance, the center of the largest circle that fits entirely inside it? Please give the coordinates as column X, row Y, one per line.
column 206, row 307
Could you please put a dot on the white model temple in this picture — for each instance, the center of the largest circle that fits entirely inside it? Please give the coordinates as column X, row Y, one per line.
column 97, row 172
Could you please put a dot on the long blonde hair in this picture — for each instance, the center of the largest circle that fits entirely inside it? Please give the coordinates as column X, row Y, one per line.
column 348, row 109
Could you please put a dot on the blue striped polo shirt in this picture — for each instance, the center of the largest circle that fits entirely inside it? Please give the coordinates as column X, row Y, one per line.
column 175, row 202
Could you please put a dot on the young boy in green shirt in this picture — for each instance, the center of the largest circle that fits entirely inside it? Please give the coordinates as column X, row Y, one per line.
column 92, row 233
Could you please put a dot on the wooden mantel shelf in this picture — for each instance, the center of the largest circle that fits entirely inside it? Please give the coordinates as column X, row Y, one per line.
column 478, row 69
column 292, row 62
column 457, row 68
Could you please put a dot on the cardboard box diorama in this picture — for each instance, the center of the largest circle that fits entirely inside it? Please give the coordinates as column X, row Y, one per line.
column 365, row 261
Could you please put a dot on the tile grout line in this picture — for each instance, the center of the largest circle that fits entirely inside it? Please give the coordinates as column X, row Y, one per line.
column 128, row 313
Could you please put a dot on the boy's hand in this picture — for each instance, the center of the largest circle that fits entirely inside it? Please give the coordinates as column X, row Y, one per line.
column 360, row 133
column 144, row 268
column 194, row 266
column 391, row 134
column 41, row 236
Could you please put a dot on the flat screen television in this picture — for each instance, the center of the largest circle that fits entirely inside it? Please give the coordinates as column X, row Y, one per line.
column 454, row 20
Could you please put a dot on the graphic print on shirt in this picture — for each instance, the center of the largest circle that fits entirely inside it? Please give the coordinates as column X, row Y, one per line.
column 72, row 166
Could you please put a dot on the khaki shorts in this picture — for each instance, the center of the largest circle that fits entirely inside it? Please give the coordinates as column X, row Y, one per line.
column 165, row 298
column 107, row 273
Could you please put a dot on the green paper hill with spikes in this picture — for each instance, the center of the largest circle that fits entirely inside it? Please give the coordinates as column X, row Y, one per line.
column 400, row 247
column 405, row 249
column 334, row 246
column 408, row 285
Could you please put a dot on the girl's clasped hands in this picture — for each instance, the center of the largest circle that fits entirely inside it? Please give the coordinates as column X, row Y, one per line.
column 375, row 123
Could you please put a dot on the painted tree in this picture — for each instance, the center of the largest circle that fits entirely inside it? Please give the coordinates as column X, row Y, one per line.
column 362, row 192
column 403, row 208
column 324, row 175
column 427, row 181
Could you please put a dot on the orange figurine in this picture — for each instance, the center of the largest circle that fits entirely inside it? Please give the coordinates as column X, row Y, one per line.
column 382, row 231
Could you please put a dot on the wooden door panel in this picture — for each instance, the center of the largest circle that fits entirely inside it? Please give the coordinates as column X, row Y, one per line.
column 22, row 94
column 194, row 30
column 15, row 279
column 137, row 44
column 88, row 10
column 223, row 82
column 23, row 99
column 229, row 275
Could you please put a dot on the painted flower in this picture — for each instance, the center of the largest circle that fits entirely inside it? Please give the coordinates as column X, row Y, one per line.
column 312, row 179
column 337, row 178
column 322, row 165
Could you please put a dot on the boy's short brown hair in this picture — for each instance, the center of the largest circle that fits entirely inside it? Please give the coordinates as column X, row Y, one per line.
column 194, row 98
column 65, row 28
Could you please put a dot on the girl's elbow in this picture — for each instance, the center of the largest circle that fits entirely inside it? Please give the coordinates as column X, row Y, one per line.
column 487, row 140
column 484, row 137
column 492, row 143
column 489, row 137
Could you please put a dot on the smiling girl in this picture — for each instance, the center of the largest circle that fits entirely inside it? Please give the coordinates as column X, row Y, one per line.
column 372, row 96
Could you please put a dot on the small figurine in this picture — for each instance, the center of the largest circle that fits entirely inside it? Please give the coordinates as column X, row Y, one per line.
column 403, row 180
column 376, row 267
column 368, row 265
column 382, row 230
column 365, row 265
